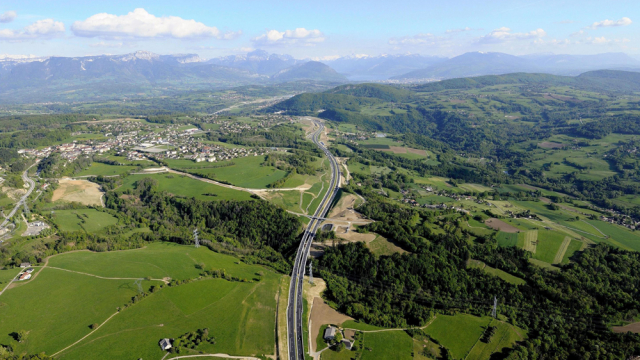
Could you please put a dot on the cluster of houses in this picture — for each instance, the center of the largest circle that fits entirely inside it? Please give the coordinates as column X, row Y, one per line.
column 26, row 274
column 70, row 151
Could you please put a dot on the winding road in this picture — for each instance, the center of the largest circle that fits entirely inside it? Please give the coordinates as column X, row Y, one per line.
column 23, row 200
column 295, row 305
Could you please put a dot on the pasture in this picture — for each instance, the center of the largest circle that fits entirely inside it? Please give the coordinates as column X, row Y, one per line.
column 240, row 315
column 388, row 345
column 88, row 220
column 506, row 335
column 182, row 185
column 98, row 169
column 458, row 333
column 247, row 172
column 73, row 302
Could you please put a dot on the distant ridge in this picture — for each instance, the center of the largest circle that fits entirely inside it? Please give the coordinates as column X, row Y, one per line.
column 493, row 63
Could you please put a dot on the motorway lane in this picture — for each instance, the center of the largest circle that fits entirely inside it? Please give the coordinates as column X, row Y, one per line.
column 294, row 317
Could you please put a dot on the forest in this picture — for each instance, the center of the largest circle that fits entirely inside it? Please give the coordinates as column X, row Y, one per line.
column 565, row 312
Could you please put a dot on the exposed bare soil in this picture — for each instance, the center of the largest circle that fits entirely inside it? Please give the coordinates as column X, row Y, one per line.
column 634, row 328
column 82, row 191
column 550, row 145
column 322, row 314
column 498, row 224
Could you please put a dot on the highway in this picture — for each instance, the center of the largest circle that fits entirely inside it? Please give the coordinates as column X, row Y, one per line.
column 294, row 307
column 23, row 200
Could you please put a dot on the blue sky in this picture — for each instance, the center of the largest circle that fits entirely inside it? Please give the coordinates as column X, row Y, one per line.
column 318, row 29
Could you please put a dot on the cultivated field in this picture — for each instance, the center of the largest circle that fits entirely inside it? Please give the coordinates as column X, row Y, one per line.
column 240, row 315
column 82, row 191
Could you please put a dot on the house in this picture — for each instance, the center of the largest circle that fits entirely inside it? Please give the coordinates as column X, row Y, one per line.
column 25, row 276
column 25, row 265
column 330, row 333
column 29, row 270
column 348, row 344
column 165, row 344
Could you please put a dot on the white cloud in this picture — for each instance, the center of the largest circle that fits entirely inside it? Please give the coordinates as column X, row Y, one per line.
column 603, row 41
column 504, row 34
column 8, row 16
column 40, row 29
column 140, row 24
column 610, row 23
column 103, row 44
column 419, row 39
column 289, row 37
column 454, row 31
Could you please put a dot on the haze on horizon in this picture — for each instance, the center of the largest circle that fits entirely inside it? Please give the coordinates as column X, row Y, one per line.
column 318, row 30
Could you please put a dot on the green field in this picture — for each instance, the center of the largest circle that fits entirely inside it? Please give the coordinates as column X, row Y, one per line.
column 6, row 276
column 156, row 260
column 548, row 245
column 571, row 250
column 106, row 170
column 507, row 239
column 183, row 185
column 73, row 302
column 381, row 246
column 618, row 233
column 496, row 272
column 244, row 172
column 458, row 333
column 89, row 220
column 240, row 315
column 388, row 345
column 505, row 336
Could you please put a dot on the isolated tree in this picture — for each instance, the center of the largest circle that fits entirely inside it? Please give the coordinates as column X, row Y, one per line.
column 21, row 335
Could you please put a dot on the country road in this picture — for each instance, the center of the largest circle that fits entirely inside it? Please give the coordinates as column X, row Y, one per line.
column 23, row 200
column 295, row 306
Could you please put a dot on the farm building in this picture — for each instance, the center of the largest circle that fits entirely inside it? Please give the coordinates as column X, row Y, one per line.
column 29, row 270
column 25, row 276
column 330, row 333
column 165, row 344
column 348, row 344
column 25, row 265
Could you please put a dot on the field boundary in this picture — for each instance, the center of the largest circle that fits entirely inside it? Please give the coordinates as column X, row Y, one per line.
column 84, row 337
column 562, row 250
column 531, row 241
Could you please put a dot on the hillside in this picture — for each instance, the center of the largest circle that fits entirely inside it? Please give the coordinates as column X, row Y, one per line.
column 600, row 80
column 312, row 70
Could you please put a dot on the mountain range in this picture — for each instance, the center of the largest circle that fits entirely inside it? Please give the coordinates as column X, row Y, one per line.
column 38, row 79
column 28, row 79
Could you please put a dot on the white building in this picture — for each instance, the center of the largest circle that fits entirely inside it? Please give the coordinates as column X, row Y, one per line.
column 165, row 344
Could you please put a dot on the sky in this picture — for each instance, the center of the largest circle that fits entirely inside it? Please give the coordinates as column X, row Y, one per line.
column 318, row 29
